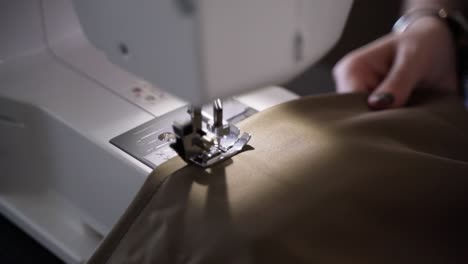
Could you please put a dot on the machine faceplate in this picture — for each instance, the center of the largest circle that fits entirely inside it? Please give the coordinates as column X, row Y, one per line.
column 149, row 142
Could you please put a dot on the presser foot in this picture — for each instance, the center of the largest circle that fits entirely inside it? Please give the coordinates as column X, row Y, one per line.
column 205, row 142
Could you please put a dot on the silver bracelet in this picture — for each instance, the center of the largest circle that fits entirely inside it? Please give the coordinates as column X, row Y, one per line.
column 455, row 20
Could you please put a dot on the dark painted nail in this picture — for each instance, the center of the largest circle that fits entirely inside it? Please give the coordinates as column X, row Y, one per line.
column 380, row 101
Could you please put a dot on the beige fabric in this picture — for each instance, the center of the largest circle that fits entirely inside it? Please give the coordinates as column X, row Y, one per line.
column 326, row 181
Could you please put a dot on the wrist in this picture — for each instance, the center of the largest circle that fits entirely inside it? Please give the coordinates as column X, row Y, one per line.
column 455, row 29
column 431, row 24
column 428, row 27
column 454, row 21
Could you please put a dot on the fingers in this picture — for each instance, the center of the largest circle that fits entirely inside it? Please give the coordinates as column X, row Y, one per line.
column 383, row 68
column 363, row 69
column 350, row 76
column 393, row 66
column 397, row 86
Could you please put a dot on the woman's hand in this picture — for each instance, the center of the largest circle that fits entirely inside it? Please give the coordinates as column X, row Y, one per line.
column 392, row 67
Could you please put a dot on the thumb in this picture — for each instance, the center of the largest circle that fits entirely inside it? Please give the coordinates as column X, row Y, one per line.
column 396, row 88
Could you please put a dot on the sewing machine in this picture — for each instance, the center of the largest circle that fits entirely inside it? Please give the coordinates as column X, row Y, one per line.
column 90, row 91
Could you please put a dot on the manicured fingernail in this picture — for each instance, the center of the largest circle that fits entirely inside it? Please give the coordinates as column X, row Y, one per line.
column 380, row 101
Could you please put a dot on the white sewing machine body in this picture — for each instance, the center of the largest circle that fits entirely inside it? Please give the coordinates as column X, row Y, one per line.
column 221, row 48
column 62, row 101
